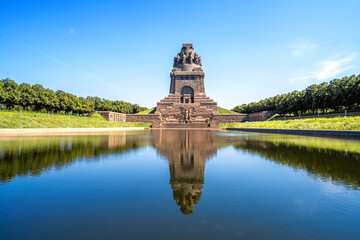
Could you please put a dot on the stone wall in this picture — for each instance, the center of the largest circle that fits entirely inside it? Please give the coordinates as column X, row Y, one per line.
column 196, row 85
column 146, row 118
column 113, row 116
column 214, row 120
column 259, row 116
column 230, row 118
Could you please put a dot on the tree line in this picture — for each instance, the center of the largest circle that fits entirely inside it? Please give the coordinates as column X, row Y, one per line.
column 338, row 94
column 38, row 98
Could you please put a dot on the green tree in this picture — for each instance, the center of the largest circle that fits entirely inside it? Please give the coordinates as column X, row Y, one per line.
column 337, row 94
column 27, row 95
column 12, row 95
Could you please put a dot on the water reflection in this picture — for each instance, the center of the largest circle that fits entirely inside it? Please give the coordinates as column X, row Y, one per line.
column 187, row 152
column 34, row 155
column 333, row 160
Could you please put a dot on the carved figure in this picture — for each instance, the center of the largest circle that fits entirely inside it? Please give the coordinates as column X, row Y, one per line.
column 183, row 58
column 191, row 58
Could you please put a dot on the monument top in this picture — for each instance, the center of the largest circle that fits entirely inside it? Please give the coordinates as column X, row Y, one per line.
column 187, row 45
column 187, row 59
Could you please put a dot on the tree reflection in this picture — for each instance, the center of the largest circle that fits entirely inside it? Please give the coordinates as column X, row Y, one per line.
column 32, row 156
column 319, row 161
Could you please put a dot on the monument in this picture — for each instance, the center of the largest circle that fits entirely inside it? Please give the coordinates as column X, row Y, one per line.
column 187, row 104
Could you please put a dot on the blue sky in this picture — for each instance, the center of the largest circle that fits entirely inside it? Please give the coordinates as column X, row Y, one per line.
column 123, row 50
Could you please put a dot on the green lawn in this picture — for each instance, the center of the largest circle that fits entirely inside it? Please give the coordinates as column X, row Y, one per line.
column 225, row 111
column 148, row 111
column 339, row 123
column 11, row 119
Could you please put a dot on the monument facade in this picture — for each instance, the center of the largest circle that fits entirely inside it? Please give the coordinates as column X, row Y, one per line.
column 187, row 104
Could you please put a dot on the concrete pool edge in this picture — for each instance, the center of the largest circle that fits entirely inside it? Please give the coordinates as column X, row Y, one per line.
column 58, row 131
column 305, row 132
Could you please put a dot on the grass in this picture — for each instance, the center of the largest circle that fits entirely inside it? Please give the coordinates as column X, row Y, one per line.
column 148, row 111
column 11, row 119
column 339, row 123
column 321, row 115
column 273, row 117
column 225, row 111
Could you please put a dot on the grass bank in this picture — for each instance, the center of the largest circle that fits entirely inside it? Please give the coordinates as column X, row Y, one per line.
column 12, row 119
column 339, row 123
column 321, row 115
column 225, row 111
column 148, row 111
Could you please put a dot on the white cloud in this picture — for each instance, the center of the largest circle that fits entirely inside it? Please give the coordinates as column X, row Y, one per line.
column 303, row 47
column 331, row 188
column 326, row 69
column 332, row 68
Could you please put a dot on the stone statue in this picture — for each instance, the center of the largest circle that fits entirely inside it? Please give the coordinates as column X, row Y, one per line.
column 177, row 60
column 187, row 116
column 191, row 58
column 196, row 59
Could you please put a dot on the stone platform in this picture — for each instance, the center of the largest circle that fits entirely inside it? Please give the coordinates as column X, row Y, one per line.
column 176, row 114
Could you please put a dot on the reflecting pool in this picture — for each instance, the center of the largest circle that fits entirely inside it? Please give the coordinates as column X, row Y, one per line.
column 179, row 184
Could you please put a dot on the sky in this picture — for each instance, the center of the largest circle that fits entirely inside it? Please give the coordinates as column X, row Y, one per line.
column 124, row 50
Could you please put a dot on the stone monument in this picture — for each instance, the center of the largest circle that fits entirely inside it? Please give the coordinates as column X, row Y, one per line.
column 187, row 105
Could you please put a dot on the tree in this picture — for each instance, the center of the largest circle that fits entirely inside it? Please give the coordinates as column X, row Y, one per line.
column 39, row 98
column 27, row 95
column 53, row 102
column 337, row 94
column 12, row 93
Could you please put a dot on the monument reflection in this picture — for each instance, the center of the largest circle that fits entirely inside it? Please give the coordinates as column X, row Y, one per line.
column 187, row 152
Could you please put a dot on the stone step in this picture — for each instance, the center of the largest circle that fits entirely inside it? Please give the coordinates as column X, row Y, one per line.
column 185, row 125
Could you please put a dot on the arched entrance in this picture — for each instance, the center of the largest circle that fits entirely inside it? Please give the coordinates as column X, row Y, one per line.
column 187, row 95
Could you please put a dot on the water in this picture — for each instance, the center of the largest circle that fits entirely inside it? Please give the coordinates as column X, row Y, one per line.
column 179, row 184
